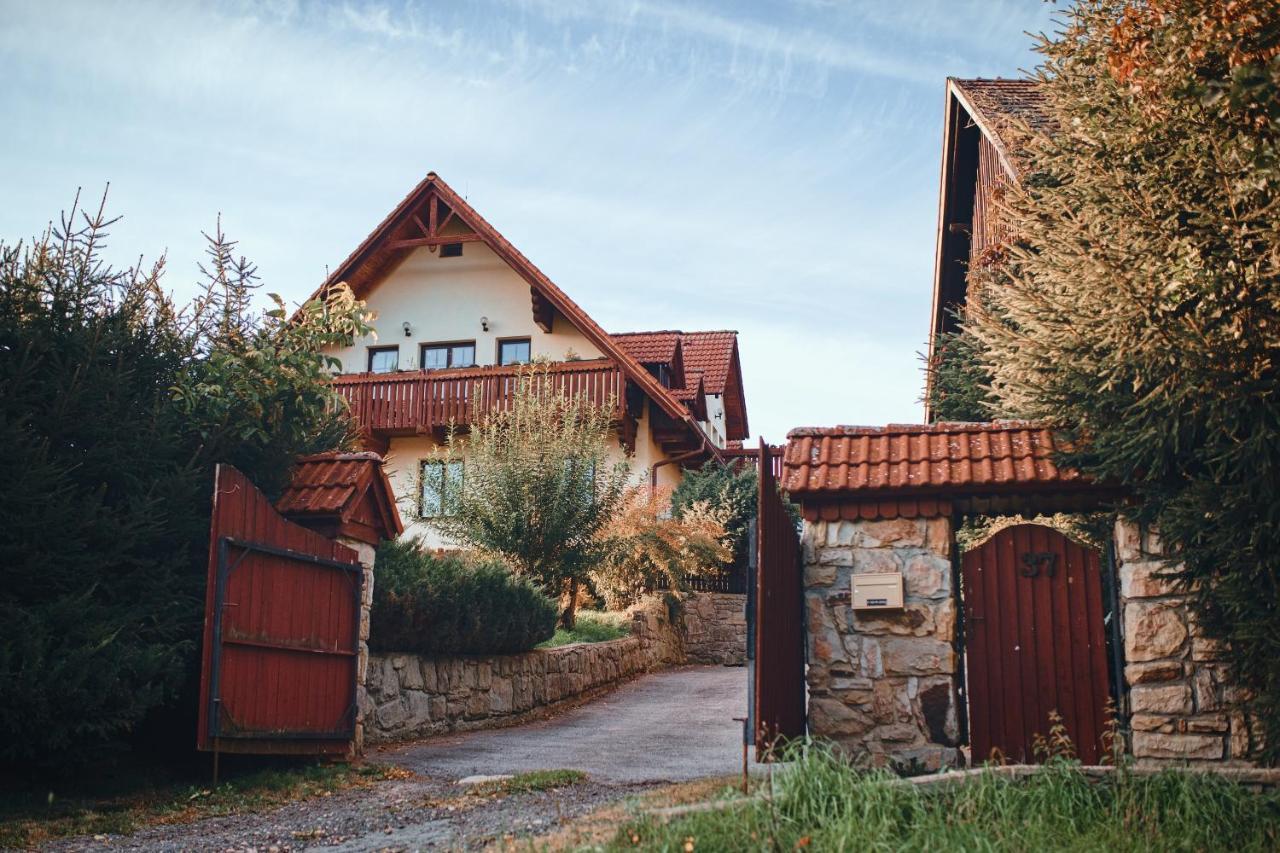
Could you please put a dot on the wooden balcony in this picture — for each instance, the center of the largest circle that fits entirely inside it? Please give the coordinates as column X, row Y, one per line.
column 430, row 401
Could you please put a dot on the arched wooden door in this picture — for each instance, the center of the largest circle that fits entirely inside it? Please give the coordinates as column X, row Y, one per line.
column 1035, row 643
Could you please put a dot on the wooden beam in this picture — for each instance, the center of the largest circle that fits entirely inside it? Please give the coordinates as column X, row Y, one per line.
column 543, row 312
column 415, row 242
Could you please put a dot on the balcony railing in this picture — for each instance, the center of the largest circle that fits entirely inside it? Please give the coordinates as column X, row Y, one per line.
column 424, row 400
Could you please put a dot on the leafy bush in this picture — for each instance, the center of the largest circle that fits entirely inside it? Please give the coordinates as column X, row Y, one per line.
column 644, row 544
column 732, row 491
column 539, row 484
column 452, row 605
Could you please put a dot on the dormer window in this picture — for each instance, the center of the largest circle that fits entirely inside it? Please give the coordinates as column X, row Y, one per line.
column 384, row 359
column 513, row 351
column 440, row 356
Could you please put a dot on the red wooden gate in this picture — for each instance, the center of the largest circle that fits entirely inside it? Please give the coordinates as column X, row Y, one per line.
column 779, row 688
column 1034, row 643
column 281, row 631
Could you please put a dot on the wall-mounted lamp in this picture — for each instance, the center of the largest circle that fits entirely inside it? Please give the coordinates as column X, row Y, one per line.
column 407, row 328
column 484, row 324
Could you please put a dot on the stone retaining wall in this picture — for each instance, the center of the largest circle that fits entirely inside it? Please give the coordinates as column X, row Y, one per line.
column 1180, row 703
column 411, row 696
column 714, row 628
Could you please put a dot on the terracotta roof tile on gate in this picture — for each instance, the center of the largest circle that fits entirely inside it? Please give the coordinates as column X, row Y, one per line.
column 330, row 485
column 923, row 459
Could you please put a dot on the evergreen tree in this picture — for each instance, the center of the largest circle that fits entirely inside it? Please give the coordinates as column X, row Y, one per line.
column 1139, row 306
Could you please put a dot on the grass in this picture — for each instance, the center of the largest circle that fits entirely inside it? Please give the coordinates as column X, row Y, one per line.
column 591, row 626
column 822, row 803
column 535, row 780
column 29, row 820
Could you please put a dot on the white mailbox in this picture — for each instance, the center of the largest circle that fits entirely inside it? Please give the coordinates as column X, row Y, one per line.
column 877, row 591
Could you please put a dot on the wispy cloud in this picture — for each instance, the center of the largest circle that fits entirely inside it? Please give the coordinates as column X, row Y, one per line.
column 769, row 168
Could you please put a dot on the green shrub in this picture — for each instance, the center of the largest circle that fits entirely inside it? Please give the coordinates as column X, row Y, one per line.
column 591, row 627
column 451, row 605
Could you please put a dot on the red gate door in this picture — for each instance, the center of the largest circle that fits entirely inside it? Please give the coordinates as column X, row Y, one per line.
column 779, row 688
column 1034, row 643
column 281, row 631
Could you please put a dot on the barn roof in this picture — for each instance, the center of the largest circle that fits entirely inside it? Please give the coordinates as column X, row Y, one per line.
column 999, row 107
column 347, row 491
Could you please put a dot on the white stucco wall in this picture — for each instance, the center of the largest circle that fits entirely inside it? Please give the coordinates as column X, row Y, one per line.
column 407, row 453
column 713, row 426
column 443, row 300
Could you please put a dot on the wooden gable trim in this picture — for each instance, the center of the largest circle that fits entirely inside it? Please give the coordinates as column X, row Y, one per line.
column 433, row 189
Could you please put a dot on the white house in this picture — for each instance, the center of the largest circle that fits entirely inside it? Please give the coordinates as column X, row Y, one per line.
column 459, row 308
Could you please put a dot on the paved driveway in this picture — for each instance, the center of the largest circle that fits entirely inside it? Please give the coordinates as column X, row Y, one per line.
column 665, row 727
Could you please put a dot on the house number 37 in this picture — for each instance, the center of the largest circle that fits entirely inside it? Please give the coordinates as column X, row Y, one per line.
column 1034, row 562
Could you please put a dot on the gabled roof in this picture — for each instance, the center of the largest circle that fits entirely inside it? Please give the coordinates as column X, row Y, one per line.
column 403, row 230
column 649, row 347
column 926, row 459
column 345, row 493
column 998, row 106
column 714, row 355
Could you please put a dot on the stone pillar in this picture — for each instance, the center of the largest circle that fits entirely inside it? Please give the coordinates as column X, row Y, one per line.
column 366, row 554
column 882, row 683
column 1180, row 703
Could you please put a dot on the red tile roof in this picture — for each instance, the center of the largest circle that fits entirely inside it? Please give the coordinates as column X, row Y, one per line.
column 905, row 459
column 331, row 484
column 711, row 353
column 649, row 347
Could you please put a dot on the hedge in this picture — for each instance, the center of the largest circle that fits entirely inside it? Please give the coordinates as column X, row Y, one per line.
column 453, row 605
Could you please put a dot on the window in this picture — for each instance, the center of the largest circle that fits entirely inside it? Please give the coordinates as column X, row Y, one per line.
column 441, row 485
column 384, row 359
column 439, row 356
column 451, row 250
column 514, row 351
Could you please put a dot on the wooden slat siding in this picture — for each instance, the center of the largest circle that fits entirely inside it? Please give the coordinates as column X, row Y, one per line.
column 420, row 401
column 780, row 631
column 992, row 181
column 1034, row 645
column 274, row 698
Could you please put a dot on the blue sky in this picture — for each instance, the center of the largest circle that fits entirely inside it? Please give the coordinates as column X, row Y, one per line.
column 771, row 168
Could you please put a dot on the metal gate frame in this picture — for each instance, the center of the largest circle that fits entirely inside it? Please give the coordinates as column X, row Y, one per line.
column 778, row 690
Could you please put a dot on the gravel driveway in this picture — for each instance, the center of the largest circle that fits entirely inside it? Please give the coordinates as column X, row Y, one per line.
column 665, row 727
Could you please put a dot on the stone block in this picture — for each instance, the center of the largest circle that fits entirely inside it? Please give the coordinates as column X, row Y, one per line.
column 1184, row 747
column 900, row 733
column 927, row 576
column 427, row 668
column 836, row 532
column 916, row 656
column 830, row 717
column 1152, row 723
column 418, row 710
column 1128, row 542
column 1161, row 699
column 819, row 574
column 391, row 714
column 411, row 675
column 875, row 560
column 388, row 680
column 477, row 705
column 1207, row 689
column 938, row 536
column 502, row 696
column 1153, row 631
column 834, row 556
column 1205, row 724
column 937, row 708
column 1147, row 673
column 870, row 662
column 899, row 532
column 1145, row 580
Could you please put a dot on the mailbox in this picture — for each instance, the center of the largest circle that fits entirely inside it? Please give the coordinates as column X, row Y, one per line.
column 877, row 591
